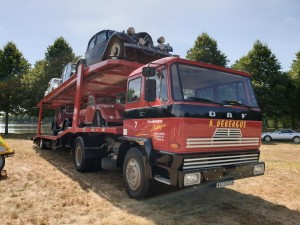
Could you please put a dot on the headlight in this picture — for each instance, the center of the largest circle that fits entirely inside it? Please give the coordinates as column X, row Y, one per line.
column 130, row 31
column 161, row 40
column 142, row 41
column 259, row 169
column 192, row 178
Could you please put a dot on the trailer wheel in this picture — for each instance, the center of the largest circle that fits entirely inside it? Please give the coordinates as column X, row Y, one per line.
column 42, row 144
column 98, row 120
column 136, row 183
column 80, row 160
column 2, row 162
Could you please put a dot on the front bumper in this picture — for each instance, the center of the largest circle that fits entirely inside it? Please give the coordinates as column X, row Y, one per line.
column 212, row 167
column 216, row 174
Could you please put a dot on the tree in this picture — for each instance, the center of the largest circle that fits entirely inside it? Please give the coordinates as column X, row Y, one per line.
column 56, row 57
column 294, row 90
column 34, row 88
column 269, row 83
column 206, row 50
column 36, row 81
column 294, row 73
column 12, row 66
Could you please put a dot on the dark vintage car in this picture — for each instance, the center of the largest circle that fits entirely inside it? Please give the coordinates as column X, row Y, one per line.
column 139, row 47
column 68, row 71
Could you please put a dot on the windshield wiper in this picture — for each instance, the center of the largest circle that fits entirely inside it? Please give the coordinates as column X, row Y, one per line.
column 203, row 100
column 232, row 102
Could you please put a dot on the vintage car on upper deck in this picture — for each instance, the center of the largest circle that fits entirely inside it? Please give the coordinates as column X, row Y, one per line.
column 53, row 83
column 131, row 46
column 68, row 71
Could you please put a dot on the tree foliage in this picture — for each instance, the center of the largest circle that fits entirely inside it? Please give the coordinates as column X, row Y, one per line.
column 12, row 66
column 36, row 81
column 294, row 91
column 206, row 50
column 295, row 68
column 268, row 81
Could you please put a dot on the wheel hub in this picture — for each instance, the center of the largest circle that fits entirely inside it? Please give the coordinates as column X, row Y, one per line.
column 133, row 174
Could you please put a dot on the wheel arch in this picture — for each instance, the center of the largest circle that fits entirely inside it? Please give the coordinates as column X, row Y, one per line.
column 144, row 145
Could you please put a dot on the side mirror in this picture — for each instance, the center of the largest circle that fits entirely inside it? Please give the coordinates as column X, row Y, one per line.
column 149, row 71
column 150, row 90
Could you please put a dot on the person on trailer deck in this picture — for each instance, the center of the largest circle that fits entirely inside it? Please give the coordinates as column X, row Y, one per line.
column 5, row 151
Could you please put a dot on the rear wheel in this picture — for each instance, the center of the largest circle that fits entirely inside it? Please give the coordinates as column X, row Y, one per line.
column 296, row 139
column 79, row 156
column 267, row 138
column 136, row 183
column 2, row 162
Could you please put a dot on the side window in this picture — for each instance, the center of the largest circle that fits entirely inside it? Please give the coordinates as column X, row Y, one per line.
column 91, row 43
column 161, row 86
column 134, row 90
column 101, row 37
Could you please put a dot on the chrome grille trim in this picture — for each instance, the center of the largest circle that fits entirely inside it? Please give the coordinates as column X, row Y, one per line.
column 223, row 137
column 193, row 163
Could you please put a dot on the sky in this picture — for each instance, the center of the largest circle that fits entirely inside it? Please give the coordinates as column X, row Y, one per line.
column 33, row 25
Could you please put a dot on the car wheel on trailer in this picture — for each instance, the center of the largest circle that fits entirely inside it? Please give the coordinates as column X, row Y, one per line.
column 267, row 138
column 136, row 183
column 98, row 120
column 42, row 144
column 65, row 126
column 2, row 162
column 54, row 128
column 296, row 139
column 116, row 49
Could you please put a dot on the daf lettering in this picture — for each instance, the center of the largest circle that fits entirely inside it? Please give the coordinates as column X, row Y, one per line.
column 212, row 114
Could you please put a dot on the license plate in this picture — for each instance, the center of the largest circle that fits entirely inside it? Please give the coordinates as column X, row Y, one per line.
column 224, row 183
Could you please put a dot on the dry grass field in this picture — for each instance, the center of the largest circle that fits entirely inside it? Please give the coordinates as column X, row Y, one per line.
column 43, row 188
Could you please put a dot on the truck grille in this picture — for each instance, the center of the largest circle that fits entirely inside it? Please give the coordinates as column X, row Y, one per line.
column 219, row 160
column 223, row 137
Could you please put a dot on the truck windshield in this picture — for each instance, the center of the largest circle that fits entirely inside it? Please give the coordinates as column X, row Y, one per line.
column 197, row 84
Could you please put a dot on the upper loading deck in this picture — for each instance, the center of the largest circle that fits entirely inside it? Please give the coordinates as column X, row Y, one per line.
column 104, row 79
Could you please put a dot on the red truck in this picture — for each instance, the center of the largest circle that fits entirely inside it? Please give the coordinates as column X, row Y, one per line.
column 185, row 123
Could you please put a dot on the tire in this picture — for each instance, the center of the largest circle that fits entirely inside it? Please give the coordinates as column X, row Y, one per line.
column 2, row 162
column 65, row 126
column 54, row 128
column 136, row 183
column 296, row 139
column 42, row 144
column 115, row 49
column 267, row 138
column 98, row 120
column 79, row 156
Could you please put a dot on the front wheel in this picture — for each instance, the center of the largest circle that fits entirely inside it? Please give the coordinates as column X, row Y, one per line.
column 267, row 138
column 98, row 120
column 2, row 162
column 136, row 183
column 296, row 139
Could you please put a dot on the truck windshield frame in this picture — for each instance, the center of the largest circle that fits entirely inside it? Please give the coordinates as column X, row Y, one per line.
column 202, row 85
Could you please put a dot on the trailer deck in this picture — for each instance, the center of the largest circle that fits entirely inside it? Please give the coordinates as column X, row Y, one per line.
column 104, row 79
